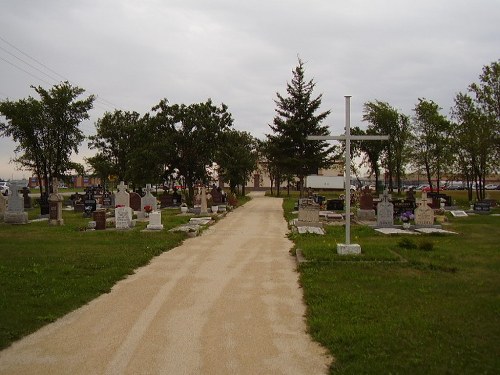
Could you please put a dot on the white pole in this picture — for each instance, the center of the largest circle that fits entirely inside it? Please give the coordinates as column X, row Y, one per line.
column 348, row 169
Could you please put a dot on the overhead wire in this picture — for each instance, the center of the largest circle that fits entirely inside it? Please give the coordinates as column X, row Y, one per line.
column 98, row 99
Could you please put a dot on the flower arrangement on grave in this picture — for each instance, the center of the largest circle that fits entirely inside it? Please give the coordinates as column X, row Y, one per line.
column 148, row 209
column 407, row 216
column 119, row 205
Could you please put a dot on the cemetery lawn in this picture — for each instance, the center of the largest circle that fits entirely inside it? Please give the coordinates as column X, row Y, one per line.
column 417, row 304
column 46, row 272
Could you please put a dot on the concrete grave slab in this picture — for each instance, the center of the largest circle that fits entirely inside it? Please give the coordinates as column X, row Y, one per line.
column 395, row 231
column 434, row 230
column 306, row 229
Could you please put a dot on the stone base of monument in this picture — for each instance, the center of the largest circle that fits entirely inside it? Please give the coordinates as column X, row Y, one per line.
column 56, row 222
column 344, row 249
column 154, row 227
column 366, row 215
column 15, row 217
column 302, row 223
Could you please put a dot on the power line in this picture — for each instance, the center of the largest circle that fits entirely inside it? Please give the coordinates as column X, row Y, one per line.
column 27, row 63
column 32, row 58
column 25, row 71
column 97, row 98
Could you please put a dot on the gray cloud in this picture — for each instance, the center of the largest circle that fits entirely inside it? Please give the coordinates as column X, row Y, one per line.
column 134, row 53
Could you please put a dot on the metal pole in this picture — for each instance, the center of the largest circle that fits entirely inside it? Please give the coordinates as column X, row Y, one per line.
column 348, row 169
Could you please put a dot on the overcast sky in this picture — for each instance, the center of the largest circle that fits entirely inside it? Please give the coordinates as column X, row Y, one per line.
column 131, row 54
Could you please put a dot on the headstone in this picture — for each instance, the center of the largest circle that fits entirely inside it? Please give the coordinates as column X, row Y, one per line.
column 166, row 200
column 366, row 211
column 204, row 209
column 458, row 213
column 123, row 217
column 26, row 197
column 106, row 200
column 148, row 199
column 424, row 215
column 366, row 199
column 437, row 198
column 385, row 211
column 155, row 221
column 3, row 206
column 135, row 201
column 122, row 197
column 335, row 205
column 308, row 214
column 99, row 217
column 406, row 205
column 482, row 207
column 15, row 209
column 216, row 195
column 55, row 204
column 89, row 203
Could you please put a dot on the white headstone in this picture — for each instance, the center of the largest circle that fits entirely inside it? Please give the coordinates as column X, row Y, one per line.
column 122, row 197
column 15, row 209
column 149, row 199
column 123, row 217
column 155, row 221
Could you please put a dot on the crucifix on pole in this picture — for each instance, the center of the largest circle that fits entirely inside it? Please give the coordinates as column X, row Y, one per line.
column 348, row 248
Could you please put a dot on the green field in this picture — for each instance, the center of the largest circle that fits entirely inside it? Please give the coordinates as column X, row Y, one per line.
column 426, row 304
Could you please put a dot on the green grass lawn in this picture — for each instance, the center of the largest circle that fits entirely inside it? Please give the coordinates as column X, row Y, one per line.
column 400, row 308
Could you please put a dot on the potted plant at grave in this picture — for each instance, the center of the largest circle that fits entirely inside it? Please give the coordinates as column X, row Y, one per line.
column 406, row 218
column 147, row 210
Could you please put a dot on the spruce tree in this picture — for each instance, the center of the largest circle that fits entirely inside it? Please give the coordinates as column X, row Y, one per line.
column 295, row 120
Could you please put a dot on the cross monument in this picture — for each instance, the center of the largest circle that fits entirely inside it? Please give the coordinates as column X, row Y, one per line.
column 348, row 248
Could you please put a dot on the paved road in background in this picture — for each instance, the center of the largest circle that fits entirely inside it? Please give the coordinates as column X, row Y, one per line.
column 227, row 302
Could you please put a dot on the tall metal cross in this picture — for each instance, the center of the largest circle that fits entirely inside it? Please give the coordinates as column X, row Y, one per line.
column 347, row 137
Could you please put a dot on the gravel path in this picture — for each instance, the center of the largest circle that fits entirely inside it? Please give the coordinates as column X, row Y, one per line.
column 227, row 302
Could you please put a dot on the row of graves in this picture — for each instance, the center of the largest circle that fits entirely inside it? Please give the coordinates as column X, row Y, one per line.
column 386, row 215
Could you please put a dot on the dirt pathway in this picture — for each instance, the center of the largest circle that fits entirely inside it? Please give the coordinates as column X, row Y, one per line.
column 227, row 302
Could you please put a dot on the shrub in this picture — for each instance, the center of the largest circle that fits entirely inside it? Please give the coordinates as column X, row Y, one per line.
column 407, row 243
column 426, row 245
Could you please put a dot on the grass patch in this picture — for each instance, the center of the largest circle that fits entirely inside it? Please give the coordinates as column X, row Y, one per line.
column 48, row 271
column 436, row 312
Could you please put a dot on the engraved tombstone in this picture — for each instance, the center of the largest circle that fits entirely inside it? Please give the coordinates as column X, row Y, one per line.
column 424, row 215
column 135, row 201
column 122, row 197
column 123, row 217
column 385, row 211
column 148, row 199
column 15, row 209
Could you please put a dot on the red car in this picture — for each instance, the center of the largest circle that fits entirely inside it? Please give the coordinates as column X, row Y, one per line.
column 428, row 188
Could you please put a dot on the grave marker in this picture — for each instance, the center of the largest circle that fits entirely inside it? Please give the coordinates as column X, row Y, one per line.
column 15, row 208
column 122, row 197
column 385, row 211
column 348, row 248
column 123, row 217
column 148, row 199
column 55, row 205
column 424, row 215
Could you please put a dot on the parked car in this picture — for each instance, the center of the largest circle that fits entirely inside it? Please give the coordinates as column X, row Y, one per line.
column 492, row 187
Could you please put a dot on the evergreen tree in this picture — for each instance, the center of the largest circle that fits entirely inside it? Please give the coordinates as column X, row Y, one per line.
column 295, row 120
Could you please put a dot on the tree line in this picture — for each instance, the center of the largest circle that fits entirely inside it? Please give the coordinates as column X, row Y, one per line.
column 188, row 139
column 465, row 146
